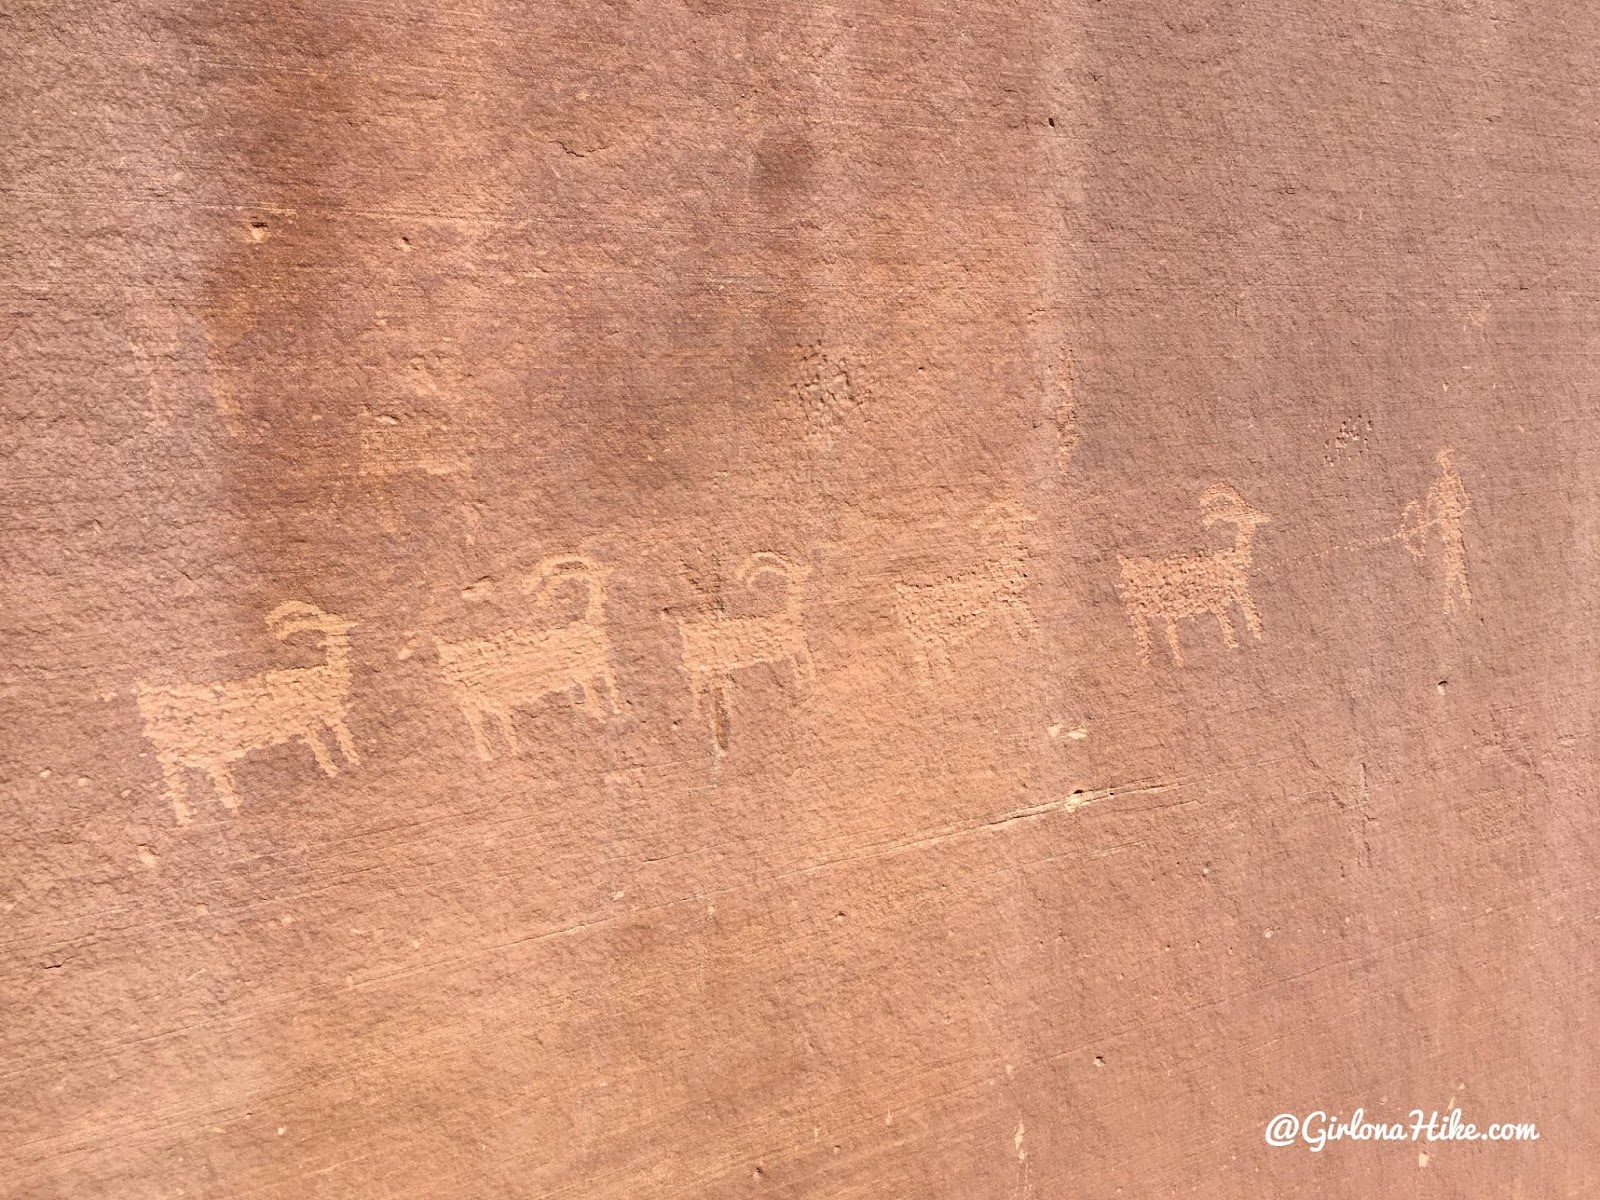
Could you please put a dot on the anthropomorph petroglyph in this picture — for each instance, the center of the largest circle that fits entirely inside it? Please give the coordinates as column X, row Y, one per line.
column 1194, row 585
column 717, row 645
column 1446, row 503
column 949, row 612
column 210, row 726
column 492, row 676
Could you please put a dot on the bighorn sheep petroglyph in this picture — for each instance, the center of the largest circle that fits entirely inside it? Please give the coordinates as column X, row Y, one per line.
column 1193, row 585
column 210, row 726
column 492, row 676
column 937, row 616
column 716, row 645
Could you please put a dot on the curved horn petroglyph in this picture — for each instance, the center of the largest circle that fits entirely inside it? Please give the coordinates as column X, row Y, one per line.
column 951, row 611
column 517, row 667
column 210, row 726
column 1193, row 585
column 717, row 645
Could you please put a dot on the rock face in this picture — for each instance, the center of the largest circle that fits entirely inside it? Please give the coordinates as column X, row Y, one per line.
column 701, row 599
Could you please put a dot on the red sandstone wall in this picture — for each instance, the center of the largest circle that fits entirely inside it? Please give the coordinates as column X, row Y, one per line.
column 719, row 461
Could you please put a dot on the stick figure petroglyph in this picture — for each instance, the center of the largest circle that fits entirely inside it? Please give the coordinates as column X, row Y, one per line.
column 717, row 645
column 1193, row 585
column 1446, row 503
column 210, row 726
column 492, row 676
column 951, row 611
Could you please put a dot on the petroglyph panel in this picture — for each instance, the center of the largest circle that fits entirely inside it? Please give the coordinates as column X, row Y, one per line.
column 715, row 751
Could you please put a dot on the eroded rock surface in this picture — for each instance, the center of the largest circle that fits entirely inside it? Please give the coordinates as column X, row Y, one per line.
column 707, row 599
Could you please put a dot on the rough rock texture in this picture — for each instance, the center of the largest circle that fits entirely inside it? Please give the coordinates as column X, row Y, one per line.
column 690, row 599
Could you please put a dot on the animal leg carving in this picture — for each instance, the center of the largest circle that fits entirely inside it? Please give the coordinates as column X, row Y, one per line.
column 613, row 699
column 222, row 781
column 1225, row 624
column 591, row 702
column 177, row 791
column 1020, row 619
column 1172, row 640
column 320, row 752
column 503, row 715
column 719, row 717
column 1141, row 633
column 475, row 723
column 1252, row 618
column 347, row 744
